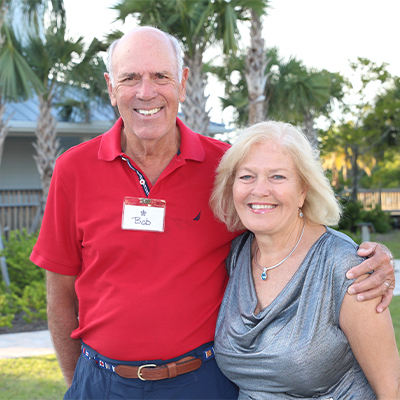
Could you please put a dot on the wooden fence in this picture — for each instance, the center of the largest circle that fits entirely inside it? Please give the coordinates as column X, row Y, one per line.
column 19, row 209
column 389, row 199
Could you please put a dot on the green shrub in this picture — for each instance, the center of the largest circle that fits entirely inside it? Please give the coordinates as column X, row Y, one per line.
column 21, row 270
column 354, row 214
column 355, row 236
column 33, row 301
column 9, row 305
column 379, row 219
column 27, row 291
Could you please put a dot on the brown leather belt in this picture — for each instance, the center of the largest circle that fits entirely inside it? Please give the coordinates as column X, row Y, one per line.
column 152, row 372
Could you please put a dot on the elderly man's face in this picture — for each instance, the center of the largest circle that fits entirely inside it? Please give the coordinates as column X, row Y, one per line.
column 145, row 85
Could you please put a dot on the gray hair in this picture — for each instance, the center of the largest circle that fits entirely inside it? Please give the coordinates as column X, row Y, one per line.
column 320, row 205
column 175, row 44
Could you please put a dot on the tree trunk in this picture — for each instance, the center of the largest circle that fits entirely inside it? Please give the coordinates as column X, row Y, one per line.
column 194, row 107
column 3, row 127
column 46, row 145
column 310, row 131
column 3, row 124
column 256, row 64
column 354, row 172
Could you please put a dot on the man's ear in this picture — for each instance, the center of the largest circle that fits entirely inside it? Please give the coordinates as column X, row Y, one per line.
column 182, row 87
column 110, row 89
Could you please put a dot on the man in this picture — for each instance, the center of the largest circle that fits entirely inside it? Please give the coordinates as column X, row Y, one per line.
column 142, row 294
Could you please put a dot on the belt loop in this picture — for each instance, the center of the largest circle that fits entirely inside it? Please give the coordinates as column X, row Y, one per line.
column 172, row 373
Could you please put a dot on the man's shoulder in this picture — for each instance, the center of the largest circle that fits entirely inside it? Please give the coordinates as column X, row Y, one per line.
column 82, row 150
column 193, row 141
column 214, row 149
column 214, row 143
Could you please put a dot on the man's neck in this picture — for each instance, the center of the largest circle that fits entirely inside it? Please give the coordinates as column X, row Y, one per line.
column 151, row 156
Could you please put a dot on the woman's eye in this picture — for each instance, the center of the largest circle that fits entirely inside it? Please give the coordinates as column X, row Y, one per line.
column 245, row 177
column 278, row 177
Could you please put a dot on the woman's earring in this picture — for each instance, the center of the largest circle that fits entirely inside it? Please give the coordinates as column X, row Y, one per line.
column 300, row 213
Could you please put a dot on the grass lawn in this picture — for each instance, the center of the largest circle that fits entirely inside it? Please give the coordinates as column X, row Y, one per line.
column 391, row 240
column 33, row 378
column 395, row 313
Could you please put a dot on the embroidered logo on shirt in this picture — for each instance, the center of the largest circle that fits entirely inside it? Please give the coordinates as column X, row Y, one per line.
column 198, row 217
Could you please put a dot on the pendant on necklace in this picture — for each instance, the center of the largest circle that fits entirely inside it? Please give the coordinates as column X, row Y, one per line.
column 264, row 274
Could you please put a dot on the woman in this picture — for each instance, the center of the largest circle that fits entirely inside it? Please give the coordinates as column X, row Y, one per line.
column 287, row 328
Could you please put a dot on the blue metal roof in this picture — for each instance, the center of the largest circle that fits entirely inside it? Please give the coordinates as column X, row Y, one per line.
column 29, row 111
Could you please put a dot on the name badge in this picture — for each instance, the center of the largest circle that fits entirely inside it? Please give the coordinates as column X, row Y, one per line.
column 142, row 214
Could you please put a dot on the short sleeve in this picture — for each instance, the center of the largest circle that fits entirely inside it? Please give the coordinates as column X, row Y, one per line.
column 344, row 257
column 58, row 248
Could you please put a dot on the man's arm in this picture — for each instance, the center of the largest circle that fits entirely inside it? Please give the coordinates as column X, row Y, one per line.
column 62, row 312
column 381, row 282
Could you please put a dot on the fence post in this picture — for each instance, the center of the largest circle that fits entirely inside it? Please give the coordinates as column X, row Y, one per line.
column 3, row 265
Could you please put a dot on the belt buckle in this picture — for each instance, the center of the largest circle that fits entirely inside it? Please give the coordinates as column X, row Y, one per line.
column 144, row 366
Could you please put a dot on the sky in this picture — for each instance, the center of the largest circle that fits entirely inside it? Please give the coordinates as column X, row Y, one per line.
column 322, row 33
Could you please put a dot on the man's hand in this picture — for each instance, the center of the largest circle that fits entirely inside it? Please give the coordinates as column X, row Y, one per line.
column 381, row 282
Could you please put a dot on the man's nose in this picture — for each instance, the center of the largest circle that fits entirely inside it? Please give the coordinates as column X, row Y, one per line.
column 147, row 89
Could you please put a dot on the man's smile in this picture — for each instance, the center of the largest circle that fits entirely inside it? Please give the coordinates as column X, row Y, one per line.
column 148, row 112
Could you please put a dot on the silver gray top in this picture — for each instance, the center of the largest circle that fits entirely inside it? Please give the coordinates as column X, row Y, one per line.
column 294, row 348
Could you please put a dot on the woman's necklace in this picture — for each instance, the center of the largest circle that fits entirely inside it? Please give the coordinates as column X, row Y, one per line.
column 264, row 270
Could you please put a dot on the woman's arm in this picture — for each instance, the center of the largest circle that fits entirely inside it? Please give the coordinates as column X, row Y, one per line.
column 371, row 337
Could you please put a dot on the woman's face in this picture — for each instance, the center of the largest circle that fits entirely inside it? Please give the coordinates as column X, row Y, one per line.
column 267, row 190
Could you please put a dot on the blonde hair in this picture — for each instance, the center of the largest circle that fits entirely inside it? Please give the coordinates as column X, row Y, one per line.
column 320, row 205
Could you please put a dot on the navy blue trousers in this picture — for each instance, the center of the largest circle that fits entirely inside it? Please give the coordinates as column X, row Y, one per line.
column 91, row 382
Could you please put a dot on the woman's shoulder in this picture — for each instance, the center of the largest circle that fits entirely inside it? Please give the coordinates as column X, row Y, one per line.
column 340, row 252
column 341, row 240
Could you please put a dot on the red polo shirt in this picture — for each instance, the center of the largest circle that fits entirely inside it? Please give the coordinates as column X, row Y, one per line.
column 142, row 295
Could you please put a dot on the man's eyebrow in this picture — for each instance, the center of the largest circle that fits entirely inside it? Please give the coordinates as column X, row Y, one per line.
column 164, row 72
column 129, row 75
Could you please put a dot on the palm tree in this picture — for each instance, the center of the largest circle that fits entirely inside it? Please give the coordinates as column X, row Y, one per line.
column 57, row 62
column 17, row 81
column 199, row 24
column 302, row 95
column 51, row 57
column 291, row 92
column 255, row 72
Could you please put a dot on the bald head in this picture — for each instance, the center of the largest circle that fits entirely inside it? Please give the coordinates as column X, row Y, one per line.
column 137, row 34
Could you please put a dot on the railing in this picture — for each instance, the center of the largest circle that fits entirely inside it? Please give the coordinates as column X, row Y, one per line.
column 19, row 209
column 389, row 199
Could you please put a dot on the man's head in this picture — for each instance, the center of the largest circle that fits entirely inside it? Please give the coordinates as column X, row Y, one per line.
column 147, row 82
column 174, row 42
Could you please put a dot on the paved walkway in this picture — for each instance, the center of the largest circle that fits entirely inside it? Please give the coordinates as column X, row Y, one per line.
column 28, row 344
column 25, row 344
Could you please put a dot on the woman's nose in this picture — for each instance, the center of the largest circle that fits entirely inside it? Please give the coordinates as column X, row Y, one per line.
column 261, row 187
